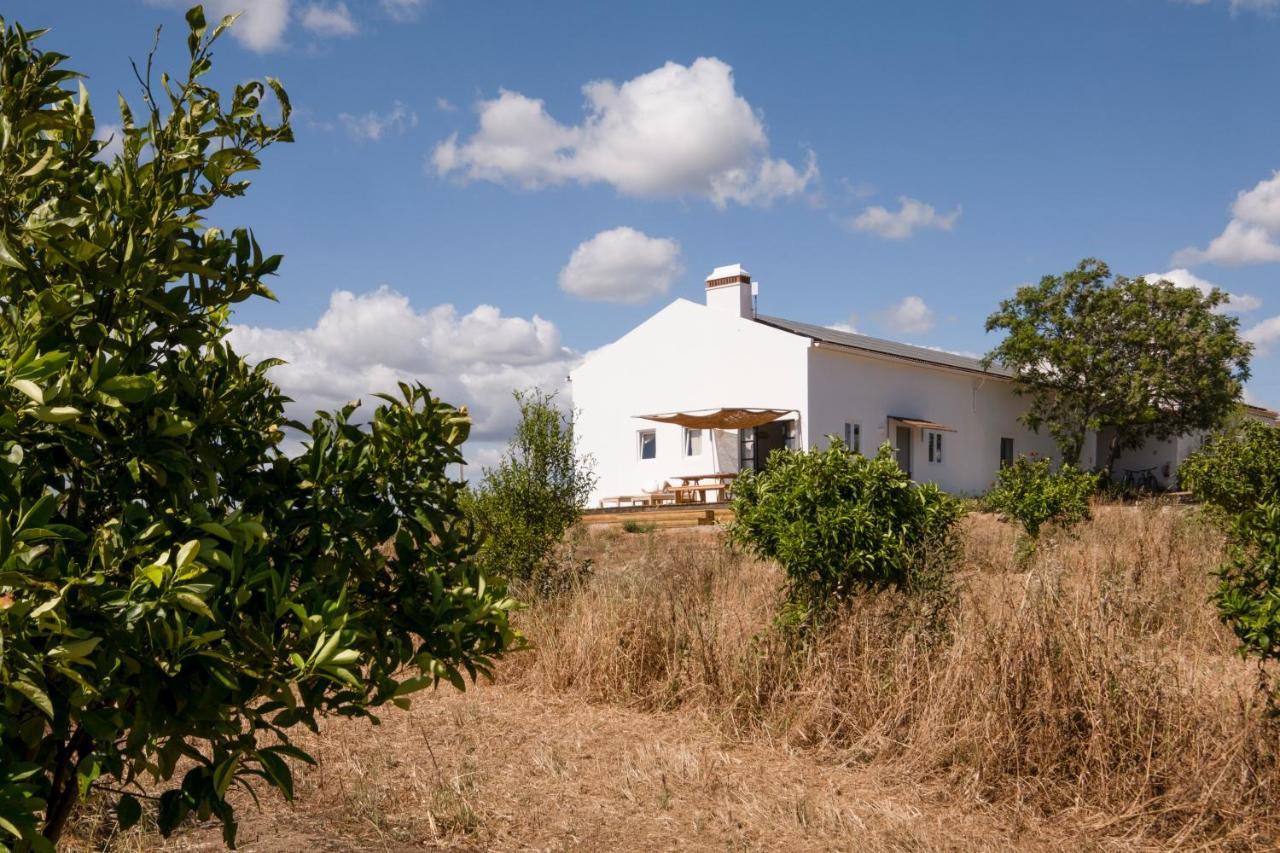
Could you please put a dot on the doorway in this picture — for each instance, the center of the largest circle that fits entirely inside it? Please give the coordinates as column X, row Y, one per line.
column 769, row 437
column 902, row 440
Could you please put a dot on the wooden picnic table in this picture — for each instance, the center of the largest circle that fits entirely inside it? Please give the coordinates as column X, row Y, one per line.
column 697, row 492
column 724, row 477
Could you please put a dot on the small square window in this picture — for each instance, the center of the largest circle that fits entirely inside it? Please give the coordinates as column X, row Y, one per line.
column 692, row 442
column 853, row 436
column 648, row 444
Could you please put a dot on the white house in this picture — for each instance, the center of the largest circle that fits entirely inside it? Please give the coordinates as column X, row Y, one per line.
column 701, row 389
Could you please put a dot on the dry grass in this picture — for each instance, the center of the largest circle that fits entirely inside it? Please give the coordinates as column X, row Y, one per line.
column 1097, row 689
column 1090, row 702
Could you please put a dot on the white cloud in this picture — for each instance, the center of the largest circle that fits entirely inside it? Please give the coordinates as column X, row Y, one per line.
column 444, row 105
column 912, row 216
column 1253, row 234
column 675, row 131
column 1237, row 303
column 113, row 135
column 332, row 20
column 1264, row 6
column 372, row 126
column 1265, row 334
column 403, row 10
column 622, row 265
column 366, row 343
column 261, row 26
column 850, row 325
column 910, row 316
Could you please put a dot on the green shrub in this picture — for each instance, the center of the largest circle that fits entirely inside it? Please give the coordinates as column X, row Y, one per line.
column 1236, row 470
column 526, row 504
column 175, row 593
column 633, row 526
column 839, row 522
column 1032, row 494
column 1248, row 595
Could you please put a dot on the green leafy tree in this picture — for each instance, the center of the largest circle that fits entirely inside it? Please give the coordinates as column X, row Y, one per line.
column 1237, row 469
column 1145, row 359
column 1031, row 493
column 175, row 591
column 528, row 502
column 839, row 523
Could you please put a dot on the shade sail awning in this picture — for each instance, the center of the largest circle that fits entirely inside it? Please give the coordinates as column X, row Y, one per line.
column 922, row 424
column 720, row 418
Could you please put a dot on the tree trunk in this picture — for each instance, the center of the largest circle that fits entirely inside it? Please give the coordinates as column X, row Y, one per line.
column 64, row 791
column 1113, row 450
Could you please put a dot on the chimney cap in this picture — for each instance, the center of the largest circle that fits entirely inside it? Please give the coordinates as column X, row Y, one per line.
column 731, row 274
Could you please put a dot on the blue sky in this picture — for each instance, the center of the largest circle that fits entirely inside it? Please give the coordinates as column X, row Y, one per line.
column 897, row 167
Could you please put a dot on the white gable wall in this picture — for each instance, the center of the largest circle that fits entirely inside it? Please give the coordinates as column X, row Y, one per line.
column 847, row 386
column 686, row 357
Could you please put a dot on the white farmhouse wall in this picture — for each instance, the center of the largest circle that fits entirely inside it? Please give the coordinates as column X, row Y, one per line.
column 685, row 357
column 849, row 386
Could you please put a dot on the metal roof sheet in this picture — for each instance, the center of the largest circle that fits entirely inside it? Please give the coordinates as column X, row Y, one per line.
column 879, row 346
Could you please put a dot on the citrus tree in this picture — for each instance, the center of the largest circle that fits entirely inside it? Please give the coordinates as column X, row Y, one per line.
column 176, row 594
column 839, row 523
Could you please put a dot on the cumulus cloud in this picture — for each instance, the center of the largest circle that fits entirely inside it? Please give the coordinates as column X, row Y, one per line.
column 1253, row 234
column 261, row 26
column 332, row 20
column 622, row 265
column 402, row 10
column 372, row 126
column 1237, row 303
column 365, row 343
column 910, row 316
column 850, row 326
column 675, row 131
column 1264, row 335
column 910, row 217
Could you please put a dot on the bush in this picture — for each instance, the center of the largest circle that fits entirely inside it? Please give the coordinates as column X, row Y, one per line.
column 175, row 592
column 1032, row 494
column 1236, row 470
column 526, row 504
column 839, row 522
column 1248, row 595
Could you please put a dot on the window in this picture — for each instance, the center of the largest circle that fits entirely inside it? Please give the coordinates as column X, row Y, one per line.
column 1006, row 452
column 853, row 436
column 692, row 442
column 746, row 449
column 935, row 446
column 789, row 435
column 648, row 444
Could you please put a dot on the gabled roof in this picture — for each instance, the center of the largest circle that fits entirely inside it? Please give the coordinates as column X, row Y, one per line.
column 892, row 349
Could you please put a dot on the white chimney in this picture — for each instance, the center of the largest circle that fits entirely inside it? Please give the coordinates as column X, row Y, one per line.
column 729, row 289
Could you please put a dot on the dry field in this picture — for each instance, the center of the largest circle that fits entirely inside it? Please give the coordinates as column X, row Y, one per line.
column 1090, row 702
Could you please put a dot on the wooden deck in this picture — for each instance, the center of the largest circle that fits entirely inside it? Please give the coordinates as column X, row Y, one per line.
column 664, row 516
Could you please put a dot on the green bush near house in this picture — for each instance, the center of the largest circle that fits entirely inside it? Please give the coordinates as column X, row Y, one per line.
column 1236, row 470
column 526, row 504
column 1031, row 493
column 840, row 523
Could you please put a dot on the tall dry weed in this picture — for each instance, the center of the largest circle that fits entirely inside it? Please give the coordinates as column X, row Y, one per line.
column 1097, row 685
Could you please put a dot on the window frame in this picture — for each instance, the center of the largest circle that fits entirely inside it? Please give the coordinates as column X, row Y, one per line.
column 933, row 439
column 690, row 436
column 1006, row 461
column 853, row 436
column 640, row 434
